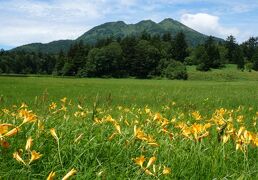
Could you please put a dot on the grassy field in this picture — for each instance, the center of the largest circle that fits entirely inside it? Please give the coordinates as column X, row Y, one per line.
column 203, row 128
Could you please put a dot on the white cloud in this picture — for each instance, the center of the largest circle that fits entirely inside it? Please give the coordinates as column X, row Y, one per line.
column 27, row 21
column 39, row 33
column 208, row 24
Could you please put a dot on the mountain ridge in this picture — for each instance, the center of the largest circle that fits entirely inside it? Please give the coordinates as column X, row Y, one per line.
column 120, row 29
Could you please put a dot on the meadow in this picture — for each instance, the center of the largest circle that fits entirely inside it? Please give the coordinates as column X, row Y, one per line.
column 202, row 128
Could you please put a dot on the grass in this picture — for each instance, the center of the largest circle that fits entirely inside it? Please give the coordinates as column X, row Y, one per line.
column 229, row 73
column 120, row 120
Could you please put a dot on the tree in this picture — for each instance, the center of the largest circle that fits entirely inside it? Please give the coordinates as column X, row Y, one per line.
column 146, row 61
column 59, row 63
column 179, row 51
column 239, row 58
column 77, row 55
column 128, row 45
column 90, row 68
column 212, row 53
column 2, row 52
column 202, row 58
column 112, row 59
column 167, row 37
column 249, row 47
column 104, row 61
column 255, row 60
column 207, row 56
column 231, row 47
column 145, row 36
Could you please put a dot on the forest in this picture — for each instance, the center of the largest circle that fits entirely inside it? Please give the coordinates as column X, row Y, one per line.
column 143, row 56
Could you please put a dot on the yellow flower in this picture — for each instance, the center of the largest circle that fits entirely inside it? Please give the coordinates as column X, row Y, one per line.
column 11, row 133
column 157, row 117
column 63, row 108
column 154, row 168
column 225, row 138
column 138, row 133
column 69, row 174
column 166, row 170
column 154, row 144
column 41, row 125
column 240, row 131
column 23, row 105
column 118, row 128
column 29, row 144
column 139, row 160
column 4, row 144
column 34, row 156
column 147, row 110
column 240, row 118
column 165, row 122
column 151, row 161
column 63, row 100
column 18, row 158
column 112, row 136
column 239, row 146
column 4, row 128
column 148, row 172
column 28, row 116
column 6, row 111
column 51, row 175
column 196, row 115
column 126, row 110
column 255, row 141
column 52, row 106
column 79, row 107
column 53, row 133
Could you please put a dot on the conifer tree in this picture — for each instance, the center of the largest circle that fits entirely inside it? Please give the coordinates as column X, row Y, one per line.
column 179, row 51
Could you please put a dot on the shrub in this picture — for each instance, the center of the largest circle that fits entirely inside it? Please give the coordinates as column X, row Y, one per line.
column 175, row 70
column 249, row 66
column 202, row 67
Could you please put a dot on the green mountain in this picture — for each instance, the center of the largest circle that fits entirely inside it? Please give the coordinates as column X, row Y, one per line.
column 121, row 29
column 52, row 47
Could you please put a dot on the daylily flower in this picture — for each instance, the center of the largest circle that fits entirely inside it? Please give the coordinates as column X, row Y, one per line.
column 69, row 174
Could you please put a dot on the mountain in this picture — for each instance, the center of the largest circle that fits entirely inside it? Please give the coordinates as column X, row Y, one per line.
column 121, row 29
column 52, row 47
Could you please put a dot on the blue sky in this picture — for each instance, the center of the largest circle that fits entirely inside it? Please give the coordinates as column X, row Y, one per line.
column 27, row 21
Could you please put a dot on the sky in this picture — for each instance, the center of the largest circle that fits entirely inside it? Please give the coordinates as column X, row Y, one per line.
column 29, row 21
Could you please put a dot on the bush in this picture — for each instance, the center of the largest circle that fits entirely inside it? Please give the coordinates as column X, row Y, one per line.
column 68, row 70
column 249, row 66
column 189, row 61
column 175, row 70
column 202, row 67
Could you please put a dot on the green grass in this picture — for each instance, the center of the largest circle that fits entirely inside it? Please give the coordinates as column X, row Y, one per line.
column 229, row 73
column 95, row 157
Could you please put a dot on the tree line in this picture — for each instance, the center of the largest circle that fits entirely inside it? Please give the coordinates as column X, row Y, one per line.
column 142, row 56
